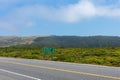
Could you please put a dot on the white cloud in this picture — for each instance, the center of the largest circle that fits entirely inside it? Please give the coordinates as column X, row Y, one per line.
column 70, row 13
column 86, row 9
column 26, row 16
column 76, row 12
column 108, row 12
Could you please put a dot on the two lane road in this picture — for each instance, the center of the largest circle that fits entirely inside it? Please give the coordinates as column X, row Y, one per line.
column 26, row 69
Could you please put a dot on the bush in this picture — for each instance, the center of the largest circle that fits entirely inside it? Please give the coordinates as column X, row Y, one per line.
column 102, row 55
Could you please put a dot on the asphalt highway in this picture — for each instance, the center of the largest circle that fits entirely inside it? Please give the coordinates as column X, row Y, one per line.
column 28, row 69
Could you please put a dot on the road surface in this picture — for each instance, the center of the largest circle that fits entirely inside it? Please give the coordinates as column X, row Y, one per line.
column 26, row 69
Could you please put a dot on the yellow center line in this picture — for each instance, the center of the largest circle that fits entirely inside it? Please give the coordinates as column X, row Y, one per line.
column 63, row 70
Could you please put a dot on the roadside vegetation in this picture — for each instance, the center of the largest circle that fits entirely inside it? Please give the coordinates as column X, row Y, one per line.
column 109, row 56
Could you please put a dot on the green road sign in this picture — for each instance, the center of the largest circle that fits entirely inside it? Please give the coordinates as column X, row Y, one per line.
column 46, row 50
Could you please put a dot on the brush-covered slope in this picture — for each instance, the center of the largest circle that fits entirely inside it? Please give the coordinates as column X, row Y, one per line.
column 61, row 41
column 76, row 41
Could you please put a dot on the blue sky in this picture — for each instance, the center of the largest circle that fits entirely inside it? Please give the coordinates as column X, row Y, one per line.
column 59, row 17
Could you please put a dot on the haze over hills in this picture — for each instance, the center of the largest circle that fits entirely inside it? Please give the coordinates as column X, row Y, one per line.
column 60, row 41
column 15, row 40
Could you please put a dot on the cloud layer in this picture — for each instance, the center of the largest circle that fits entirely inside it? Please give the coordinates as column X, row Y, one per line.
column 27, row 15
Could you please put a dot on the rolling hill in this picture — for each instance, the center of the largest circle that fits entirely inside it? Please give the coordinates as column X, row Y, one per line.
column 60, row 41
column 15, row 40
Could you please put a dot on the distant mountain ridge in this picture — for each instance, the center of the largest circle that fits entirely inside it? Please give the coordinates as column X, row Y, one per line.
column 60, row 41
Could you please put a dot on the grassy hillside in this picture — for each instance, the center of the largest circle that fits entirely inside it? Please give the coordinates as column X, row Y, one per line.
column 15, row 40
column 109, row 56
column 61, row 41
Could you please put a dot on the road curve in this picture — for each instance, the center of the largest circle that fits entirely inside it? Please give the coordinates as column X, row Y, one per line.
column 27, row 69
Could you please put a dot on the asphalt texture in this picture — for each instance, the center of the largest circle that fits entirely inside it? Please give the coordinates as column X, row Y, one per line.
column 28, row 69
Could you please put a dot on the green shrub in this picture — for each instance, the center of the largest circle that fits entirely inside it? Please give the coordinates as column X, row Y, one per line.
column 101, row 56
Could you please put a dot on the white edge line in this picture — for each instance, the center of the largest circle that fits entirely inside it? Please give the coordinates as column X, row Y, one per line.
column 19, row 74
